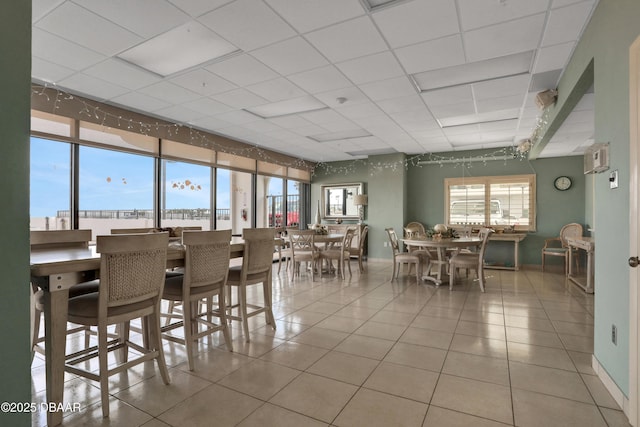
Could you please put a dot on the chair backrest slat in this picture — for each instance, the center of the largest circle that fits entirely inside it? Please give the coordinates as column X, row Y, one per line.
column 206, row 257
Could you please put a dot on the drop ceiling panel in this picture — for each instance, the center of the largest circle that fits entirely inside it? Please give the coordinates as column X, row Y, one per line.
column 81, row 83
column 387, row 89
column 370, row 68
column 207, row 106
column 481, row 13
column 432, row 55
column 398, row 105
column 448, row 96
column 91, row 34
column 169, row 92
column 504, row 39
column 417, row 21
column 566, row 24
column 203, row 82
column 277, row 90
column 290, row 56
column 242, row 70
column 321, row 79
column 499, row 88
column 553, row 57
column 59, row 51
column 198, row 7
column 122, row 74
column 49, row 72
column 308, row 15
column 140, row 102
column 247, row 24
column 239, row 98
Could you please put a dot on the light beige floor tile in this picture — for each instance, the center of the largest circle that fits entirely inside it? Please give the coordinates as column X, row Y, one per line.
column 473, row 397
column 482, row 317
column 214, row 405
column 314, row 396
column 155, row 423
column 323, row 307
column 599, row 392
column 525, row 311
column 393, row 317
column 478, row 345
column 320, row 337
column 534, row 410
column 532, row 337
column 381, row 330
column 404, row 381
column 577, row 343
column 344, row 367
column 427, row 337
column 582, row 362
column 305, row 317
column 542, row 356
column 295, row 355
column 259, row 345
column 442, row 312
column 260, row 379
column 121, row 414
column 360, row 345
column 570, row 316
column 284, row 330
column 341, row 323
column 154, row 397
column 489, row 369
column 417, row 356
column 440, row 417
column 369, row 407
column 529, row 323
column 216, row 364
column 615, row 418
column 269, row 415
column 483, row 330
column 435, row 323
column 571, row 328
column 363, row 313
column 555, row 382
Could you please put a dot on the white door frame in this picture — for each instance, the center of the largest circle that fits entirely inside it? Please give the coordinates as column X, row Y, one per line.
column 634, row 229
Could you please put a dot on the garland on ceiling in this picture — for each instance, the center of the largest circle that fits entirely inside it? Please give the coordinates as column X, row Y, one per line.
column 202, row 139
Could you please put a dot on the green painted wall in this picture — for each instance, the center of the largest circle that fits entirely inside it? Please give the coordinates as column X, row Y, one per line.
column 604, row 46
column 15, row 86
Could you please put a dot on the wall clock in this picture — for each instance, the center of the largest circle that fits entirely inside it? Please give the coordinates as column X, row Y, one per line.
column 562, row 183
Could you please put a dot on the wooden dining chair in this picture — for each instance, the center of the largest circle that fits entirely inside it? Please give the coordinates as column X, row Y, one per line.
column 416, row 259
column 470, row 260
column 558, row 247
column 205, row 277
column 303, row 249
column 359, row 251
column 257, row 263
column 132, row 274
column 340, row 252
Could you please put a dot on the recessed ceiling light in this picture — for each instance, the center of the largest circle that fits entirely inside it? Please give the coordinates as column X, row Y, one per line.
column 284, row 108
column 490, row 69
column 471, row 119
column 336, row 136
column 373, row 5
column 183, row 47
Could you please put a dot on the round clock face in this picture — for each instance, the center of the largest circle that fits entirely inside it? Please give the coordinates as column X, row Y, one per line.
column 562, row 183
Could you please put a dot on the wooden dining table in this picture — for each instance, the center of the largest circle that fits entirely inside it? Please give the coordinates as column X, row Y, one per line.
column 439, row 248
column 57, row 270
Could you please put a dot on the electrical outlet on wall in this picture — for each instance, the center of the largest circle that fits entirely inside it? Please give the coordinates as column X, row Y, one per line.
column 613, row 179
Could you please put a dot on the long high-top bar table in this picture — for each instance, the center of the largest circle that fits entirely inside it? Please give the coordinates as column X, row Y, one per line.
column 55, row 271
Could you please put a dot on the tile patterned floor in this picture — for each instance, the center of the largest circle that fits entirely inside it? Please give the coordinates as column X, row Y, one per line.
column 368, row 351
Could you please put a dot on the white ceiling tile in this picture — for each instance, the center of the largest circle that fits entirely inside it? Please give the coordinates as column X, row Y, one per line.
column 49, row 72
column 453, row 110
column 202, row 82
column 397, row 105
column 481, row 13
column 169, row 92
column 417, row 21
column 502, row 103
column 387, row 89
column 333, row 99
column 561, row 3
column 363, row 39
column 290, row 56
column 448, row 96
column 248, row 24
column 321, row 117
column 380, row 66
column 504, row 39
column 432, row 55
column 39, row 8
column 179, row 113
column 566, row 23
column 81, row 83
column 308, row 15
column 553, row 57
column 309, row 130
column 198, row 7
column 261, row 126
column 237, row 117
column 140, row 102
column 122, row 73
column 503, row 125
column 320, row 79
column 290, row 122
column 277, row 90
column 515, row 85
column 359, row 110
column 242, row 70
column 239, row 98
column 59, row 51
column 134, row 16
column 211, row 123
column 207, row 106
column 91, row 34
column 340, row 126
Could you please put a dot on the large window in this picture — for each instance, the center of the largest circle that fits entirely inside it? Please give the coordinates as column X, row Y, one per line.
column 186, row 195
column 294, row 190
column 50, row 185
column 269, row 201
column 116, row 190
column 497, row 201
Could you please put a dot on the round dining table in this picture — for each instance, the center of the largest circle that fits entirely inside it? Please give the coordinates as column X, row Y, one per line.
column 438, row 249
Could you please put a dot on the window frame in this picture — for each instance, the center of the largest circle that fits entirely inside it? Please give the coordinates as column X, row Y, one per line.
column 487, row 181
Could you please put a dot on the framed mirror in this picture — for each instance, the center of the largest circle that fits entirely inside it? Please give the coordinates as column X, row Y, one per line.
column 338, row 200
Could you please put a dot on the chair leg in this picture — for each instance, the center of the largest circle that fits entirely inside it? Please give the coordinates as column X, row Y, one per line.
column 103, row 369
column 187, row 318
column 222, row 310
column 480, row 273
column 35, row 333
column 452, row 276
column 543, row 262
column 242, row 300
column 156, row 339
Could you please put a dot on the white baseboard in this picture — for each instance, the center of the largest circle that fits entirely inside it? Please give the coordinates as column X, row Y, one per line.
column 611, row 386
